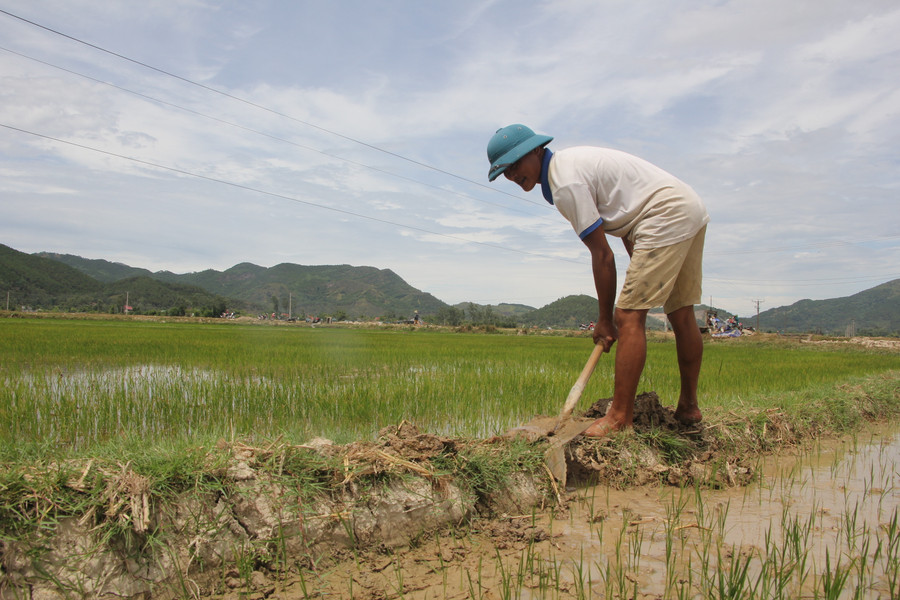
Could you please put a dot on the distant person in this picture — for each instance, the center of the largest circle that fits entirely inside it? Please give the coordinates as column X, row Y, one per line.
column 662, row 223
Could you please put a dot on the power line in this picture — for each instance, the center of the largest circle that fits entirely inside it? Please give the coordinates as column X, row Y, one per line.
column 355, row 214
column 281, row 196
column 355, row 140
column 260, row 106
column 830, row 281
column 281, row 139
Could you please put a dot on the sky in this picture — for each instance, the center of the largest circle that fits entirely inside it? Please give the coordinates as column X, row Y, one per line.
column 195, row 135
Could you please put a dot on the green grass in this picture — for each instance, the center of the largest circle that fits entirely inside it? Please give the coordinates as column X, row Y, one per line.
column 150, row 399
column 85, row 385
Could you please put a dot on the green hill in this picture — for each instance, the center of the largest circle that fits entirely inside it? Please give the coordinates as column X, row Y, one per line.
column 42, row 281
column 573, row 311
column 35, row 281
column 514, row 312
column 566, row 313
column 325, row 289
column 68, row 282
column 146, row 295
column 337, row 290
column 99, row 269
column 875, row 311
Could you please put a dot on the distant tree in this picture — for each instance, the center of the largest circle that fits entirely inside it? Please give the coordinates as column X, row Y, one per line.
column 275, row 304
column 449, row 315
column 481, row 315
column 215, row 309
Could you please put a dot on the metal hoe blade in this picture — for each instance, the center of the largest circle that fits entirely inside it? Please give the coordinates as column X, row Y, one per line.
column 562, row 429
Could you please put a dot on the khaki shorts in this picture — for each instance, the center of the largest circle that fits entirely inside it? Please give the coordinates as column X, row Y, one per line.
column 670, row 277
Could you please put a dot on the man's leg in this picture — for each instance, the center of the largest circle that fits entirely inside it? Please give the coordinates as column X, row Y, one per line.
column 631, row 354
column 689, row 347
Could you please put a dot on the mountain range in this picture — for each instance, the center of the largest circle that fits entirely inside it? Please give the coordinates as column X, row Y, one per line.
column 70, row 283
column 874, row 312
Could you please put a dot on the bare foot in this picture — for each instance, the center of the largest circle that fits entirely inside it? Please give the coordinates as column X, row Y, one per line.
column 603, row 427
column 688, row 416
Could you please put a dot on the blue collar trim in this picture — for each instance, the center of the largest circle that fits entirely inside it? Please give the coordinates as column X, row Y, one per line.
column 545, row 181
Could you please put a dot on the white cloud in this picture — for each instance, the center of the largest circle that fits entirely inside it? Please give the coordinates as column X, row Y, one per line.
column 784, row 116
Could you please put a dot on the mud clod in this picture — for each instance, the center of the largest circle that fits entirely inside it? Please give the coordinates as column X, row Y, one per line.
column 660, row 449
column 648, row 413
column 514, row 532
column 407, row 441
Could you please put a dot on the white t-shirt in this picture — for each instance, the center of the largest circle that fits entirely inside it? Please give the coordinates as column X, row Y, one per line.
column 633, row 197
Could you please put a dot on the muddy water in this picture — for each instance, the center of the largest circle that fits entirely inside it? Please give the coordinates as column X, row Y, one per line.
column 834, row 504
column 824, row 521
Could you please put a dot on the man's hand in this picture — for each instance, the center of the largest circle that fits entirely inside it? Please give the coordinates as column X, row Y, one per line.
column 605, row 334
column 603, row 266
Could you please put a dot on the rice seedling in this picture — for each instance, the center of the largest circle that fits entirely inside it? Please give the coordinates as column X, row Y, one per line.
column 79, row 384
column 150, row 393
column 815, row 541
column 891, row 555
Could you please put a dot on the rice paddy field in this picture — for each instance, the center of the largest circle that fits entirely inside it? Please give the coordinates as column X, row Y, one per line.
column 84, row 385
column 821, row 525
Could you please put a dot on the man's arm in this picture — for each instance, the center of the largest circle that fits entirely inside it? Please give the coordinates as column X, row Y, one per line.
column 603, row 265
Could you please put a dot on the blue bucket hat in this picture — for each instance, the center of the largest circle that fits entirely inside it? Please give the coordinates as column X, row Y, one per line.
column 509, row 144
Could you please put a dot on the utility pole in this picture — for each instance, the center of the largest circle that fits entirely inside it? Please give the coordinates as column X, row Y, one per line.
column 757, row 313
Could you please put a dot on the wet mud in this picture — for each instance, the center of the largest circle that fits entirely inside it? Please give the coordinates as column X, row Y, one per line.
column 669, row 451
column 599, row 532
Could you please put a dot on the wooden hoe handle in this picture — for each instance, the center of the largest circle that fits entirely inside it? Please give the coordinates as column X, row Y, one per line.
column 578, row 388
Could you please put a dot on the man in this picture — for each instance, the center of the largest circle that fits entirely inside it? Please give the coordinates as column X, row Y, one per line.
column 662, row 223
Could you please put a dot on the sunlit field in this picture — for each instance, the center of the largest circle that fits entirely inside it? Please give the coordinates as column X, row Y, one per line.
column 79, row 384
column 91, row 407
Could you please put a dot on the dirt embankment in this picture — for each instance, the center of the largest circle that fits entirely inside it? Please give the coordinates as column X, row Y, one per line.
column 865, row 342
column 269, row 513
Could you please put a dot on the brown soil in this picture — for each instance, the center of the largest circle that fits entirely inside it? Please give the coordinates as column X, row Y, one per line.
column 866, row 342
column 387, row 522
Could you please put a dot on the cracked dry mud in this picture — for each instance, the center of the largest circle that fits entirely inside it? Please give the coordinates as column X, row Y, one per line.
column 388, row 509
